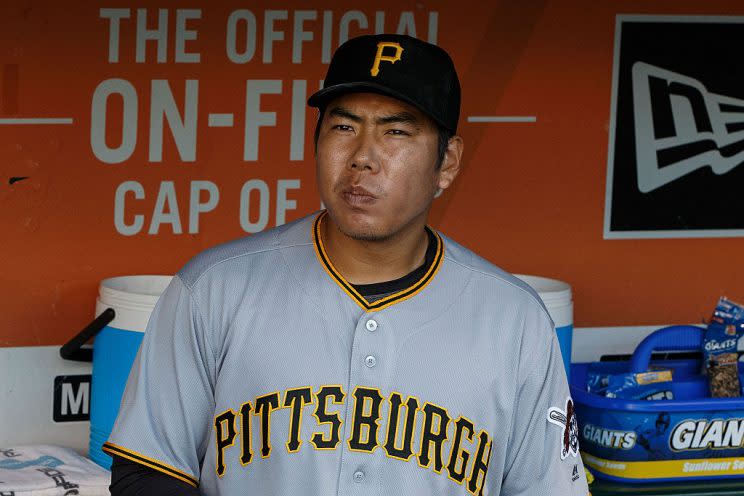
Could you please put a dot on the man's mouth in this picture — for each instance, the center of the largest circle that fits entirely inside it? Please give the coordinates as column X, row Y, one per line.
column 358, row 196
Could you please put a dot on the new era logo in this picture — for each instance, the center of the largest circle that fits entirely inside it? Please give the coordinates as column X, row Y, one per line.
column 677, row 129
column 681, row 127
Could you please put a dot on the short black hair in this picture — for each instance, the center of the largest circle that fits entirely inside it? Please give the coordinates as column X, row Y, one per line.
column 443, row 133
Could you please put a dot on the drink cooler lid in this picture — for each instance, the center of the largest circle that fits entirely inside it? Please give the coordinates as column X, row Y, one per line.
column 132, row 298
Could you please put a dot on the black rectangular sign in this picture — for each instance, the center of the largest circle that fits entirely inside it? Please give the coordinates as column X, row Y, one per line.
column 71, row 398
column 676, row 151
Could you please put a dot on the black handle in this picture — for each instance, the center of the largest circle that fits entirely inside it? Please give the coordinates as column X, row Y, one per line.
column 73, row 350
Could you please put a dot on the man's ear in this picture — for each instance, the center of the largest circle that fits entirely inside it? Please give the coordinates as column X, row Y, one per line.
column 451, row 163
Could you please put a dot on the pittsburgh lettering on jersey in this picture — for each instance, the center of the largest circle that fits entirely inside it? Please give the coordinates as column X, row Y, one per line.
column 408, row 430
column 336, row 395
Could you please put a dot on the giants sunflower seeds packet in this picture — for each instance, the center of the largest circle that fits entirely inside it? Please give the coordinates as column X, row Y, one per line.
column 597, row 379
column 720, row 349
column 653, row 385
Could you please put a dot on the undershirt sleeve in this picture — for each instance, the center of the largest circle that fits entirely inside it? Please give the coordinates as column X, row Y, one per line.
column 129, row 478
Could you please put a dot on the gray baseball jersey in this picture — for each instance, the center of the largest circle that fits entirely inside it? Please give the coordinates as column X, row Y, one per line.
column 262, row 371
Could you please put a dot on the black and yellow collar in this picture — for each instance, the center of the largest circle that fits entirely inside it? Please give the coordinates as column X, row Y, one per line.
column 349, row 289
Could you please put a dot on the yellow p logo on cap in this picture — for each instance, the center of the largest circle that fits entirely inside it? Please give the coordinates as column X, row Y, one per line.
column 380, row 57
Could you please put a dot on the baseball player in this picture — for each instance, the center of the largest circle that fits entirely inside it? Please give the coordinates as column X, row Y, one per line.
column 655, row 440
column 356, row 351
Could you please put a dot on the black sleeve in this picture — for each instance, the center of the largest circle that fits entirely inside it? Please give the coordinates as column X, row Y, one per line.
column 132, row 479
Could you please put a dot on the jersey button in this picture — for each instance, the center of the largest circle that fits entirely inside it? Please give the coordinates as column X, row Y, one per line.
column 370, row 361
column 371, row 325
column 358, row 476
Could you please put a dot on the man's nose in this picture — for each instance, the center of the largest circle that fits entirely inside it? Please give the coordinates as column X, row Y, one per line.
column 366, row 153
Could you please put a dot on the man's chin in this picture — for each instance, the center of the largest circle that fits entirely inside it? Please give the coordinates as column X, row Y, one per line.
column 358, row 227
column 366, row 236
column 362, row 232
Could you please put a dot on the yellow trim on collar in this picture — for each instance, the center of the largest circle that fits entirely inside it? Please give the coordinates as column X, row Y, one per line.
column 389, row 300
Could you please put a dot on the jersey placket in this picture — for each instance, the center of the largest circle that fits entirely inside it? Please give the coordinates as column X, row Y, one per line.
column 370, row 368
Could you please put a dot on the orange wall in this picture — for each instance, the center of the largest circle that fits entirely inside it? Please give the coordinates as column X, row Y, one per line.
column 530, row 198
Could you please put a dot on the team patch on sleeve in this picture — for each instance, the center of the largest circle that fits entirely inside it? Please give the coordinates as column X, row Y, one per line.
column 566, row 420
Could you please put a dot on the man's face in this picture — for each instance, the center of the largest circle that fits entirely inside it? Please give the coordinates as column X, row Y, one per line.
column 377, row 165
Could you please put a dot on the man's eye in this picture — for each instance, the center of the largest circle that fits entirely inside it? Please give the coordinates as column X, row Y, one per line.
column 342, row 127
column 398, row 132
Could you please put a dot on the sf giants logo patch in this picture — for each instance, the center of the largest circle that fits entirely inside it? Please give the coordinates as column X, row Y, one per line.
column 379, row 57
column 567, row 421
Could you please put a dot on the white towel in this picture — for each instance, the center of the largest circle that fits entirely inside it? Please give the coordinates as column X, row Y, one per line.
column 44, row 470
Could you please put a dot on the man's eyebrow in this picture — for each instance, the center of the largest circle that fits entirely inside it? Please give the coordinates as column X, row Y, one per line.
column 343, row 112
column 400, row 117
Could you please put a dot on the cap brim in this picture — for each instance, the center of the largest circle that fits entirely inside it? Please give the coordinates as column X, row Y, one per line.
column 322, row 97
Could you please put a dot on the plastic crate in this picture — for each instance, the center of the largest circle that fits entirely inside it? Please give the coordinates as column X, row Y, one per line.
column 692, row 437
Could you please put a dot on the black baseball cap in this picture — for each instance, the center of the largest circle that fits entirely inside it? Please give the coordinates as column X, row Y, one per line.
column 400, row 66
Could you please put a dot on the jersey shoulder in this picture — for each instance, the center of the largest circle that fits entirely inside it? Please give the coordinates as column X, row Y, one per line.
column 218, row 258
column 495, row 280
